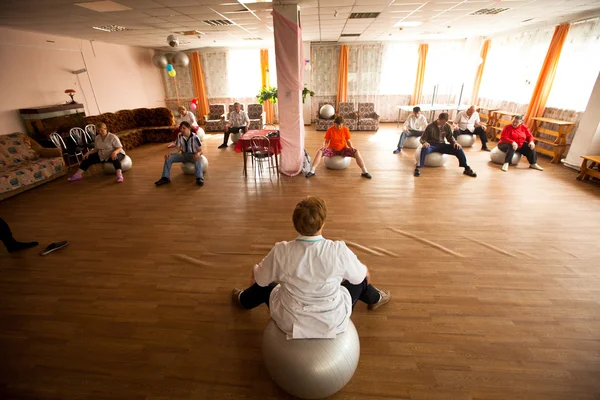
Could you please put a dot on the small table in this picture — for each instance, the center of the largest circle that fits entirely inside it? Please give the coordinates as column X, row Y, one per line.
column 485, row 113
column 587, row 171
column 496, row 123
column 244, row 143
column 559, row 144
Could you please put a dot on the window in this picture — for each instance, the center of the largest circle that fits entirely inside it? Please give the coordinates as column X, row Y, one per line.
column 513, row 65
column 577, row 68
column 243, row 72
column 399, row 67
column 444, row 72
column 324, row 72
column 364, row 69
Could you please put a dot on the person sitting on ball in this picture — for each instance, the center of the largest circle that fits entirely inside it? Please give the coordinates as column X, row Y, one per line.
column 184, row 115
column 238, row 120
column 337, row 143
column 516, row 137
column 414, row 126
column 468, row 123
column 310, row 284
column 434, row 141
column 188, row 149
column 107, row 148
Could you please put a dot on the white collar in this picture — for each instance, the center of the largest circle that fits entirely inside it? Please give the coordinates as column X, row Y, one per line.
column 310, row 239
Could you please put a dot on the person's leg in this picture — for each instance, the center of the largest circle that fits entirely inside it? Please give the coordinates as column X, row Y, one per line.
column 228, row 131
column 403, row 137
column 117, row 164
column 85, row 164
column 455, row 133
column 359, row 160
column 198, row 165
column 367, row 293
column 479, row 131
column 316, row 162
column 9, row 241
column 424, row 153
column 531, row 155
column 256, row 295
column 459, row 153
column 508, row 149
column 173, row 158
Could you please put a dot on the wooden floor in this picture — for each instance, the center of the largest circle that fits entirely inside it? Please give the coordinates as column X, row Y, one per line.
column 495, row 280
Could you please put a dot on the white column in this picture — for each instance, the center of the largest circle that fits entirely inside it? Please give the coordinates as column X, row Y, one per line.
column 587, row 138
column 307, row 106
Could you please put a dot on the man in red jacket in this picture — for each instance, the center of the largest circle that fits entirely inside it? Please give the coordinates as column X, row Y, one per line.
column 517, row 137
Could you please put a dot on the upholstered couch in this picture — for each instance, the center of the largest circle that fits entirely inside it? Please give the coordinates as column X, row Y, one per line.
column 324, row 124
column 215, row 119
column 24, row 164
column 346, row 110
column 368, row 119
column 139, row 126
column 256, row 115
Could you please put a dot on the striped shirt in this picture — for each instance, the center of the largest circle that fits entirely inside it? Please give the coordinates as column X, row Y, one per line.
column 190, row 145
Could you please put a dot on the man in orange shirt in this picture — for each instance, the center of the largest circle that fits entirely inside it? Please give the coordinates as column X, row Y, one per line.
column 337, row 143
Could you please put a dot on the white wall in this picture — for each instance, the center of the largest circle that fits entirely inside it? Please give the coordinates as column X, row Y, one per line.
column 36, row 70
column 587, row 140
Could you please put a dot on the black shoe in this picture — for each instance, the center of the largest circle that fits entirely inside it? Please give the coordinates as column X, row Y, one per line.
column 417, row 172
column 366, row 175
column 398, row 150
column 162, row 181
column 200, row 181
column 53, row 247
column 223, row 146
column 484, row 148
column 309, row 174
column 469, row 172
column 16, row 246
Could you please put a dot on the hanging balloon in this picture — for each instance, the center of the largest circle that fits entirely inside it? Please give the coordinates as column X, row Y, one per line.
column 181, row 59
column 193, row 106
column 172, row 73
column 195, row 101
column 169, row 67
column 159, row 60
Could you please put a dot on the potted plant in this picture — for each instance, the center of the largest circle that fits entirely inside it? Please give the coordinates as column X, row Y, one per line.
column 266, row 94
column 306, row 91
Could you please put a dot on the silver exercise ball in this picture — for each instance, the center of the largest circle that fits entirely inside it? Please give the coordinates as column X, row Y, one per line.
column 160, row 60
column 200, row 134
column 310, row 368
column 432, row 159
column 327, row 111
column 498, row 156
column 412, row 142
column 236, row 136
column 189, row 168
column 125, row 166
column 181, row 59
column 466, row 140
column 337, row 162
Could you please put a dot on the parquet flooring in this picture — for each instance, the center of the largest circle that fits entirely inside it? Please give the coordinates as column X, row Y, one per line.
column 502, row 303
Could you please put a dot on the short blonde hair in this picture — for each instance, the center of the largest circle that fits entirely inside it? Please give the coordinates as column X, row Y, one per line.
column 309, row 215
column 101, row 125
column 181, row 108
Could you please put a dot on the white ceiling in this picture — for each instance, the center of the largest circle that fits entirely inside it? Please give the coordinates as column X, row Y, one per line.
column 151, row 21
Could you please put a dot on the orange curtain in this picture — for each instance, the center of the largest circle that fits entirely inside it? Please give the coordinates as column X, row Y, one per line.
column 342, row 92
column 484, row 52
column 423, row 48
column 199, row 87
column 266, row 82
column 537, row 104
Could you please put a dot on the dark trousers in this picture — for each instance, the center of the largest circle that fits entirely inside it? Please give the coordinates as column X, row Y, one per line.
column 233, row 129
column 6, row 235
column 478, row 131
column 525, row 150
column 444, row 148
column 256, row 295
column 95, row 159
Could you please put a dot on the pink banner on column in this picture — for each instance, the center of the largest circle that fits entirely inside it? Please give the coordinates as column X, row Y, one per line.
column 290, row 61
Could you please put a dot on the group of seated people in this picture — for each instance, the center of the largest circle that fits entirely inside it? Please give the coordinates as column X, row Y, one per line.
column 439, row 136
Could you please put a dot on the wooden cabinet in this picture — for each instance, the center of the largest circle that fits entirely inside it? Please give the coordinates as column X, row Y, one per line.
column 40, row 122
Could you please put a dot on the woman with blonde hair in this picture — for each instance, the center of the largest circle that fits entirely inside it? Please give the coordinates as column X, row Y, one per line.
column 107, row 148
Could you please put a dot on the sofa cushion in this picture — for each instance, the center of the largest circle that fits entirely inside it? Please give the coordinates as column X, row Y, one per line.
column 131, row 138
column 15, row 150
column 124, row 120
column 30, row 173
column 158, row 134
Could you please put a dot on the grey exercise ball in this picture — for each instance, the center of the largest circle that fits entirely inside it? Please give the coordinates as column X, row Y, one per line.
column 201, row 134
column 432, row 159
column 160, row 60
column 466, row 140
column 109, row 168
column 189, row 168
column 337, row 162
column 310, row 368
column 412, row 142
column 498, row 156
column 181, row 59
column 327, row 111
column 235, row 137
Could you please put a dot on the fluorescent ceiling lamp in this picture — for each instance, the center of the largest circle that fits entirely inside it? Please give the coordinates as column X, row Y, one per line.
column 407, row 24
column 254, row 1
column 103, row 6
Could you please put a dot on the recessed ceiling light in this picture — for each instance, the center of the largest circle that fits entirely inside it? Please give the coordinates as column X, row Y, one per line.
column 103, row 6
column 111, row 28
column 408, row 24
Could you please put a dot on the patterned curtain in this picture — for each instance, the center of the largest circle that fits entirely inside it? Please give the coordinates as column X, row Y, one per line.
column 214, row 65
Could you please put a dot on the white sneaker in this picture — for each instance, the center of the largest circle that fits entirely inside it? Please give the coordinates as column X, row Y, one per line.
column 535, row 166
column 504, row 167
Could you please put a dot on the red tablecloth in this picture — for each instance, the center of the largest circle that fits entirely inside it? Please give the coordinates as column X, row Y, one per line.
column 244, row 141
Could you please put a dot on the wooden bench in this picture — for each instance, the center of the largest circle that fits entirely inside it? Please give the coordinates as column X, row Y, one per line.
column 588, row 171
column 559, row 145
column 496, row 123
